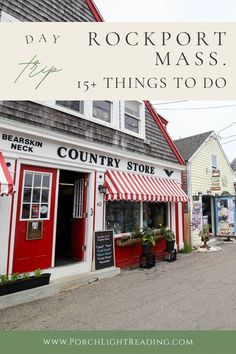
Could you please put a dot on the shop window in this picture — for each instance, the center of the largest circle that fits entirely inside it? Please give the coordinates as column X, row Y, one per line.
column 77, row 106
column 155, row 214
column 214, row 162
column 102, row 110
column 78, row 198
column 36, row 196
column 122, row 216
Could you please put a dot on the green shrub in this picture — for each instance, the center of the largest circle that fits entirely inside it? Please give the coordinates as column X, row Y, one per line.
column 187, row 248
column 37, row 273
column 3, row 279
column 15, row 276
column 25, row 276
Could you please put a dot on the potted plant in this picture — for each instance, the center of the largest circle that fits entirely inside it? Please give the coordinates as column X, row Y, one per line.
column 147, row 240
column 169, row 236
column 19, row 282
column 204, row 234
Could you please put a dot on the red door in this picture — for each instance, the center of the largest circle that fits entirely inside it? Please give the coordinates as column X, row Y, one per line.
column 79, row 218
column 35, row 219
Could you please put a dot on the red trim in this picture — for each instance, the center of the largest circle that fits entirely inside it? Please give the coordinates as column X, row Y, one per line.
column 182, row 178
column 164, row 132
column 93, row 8
column 94, row 202
column 183, row 222
column 94, row 215
column 177, row 224
column 170, row 215
column 163, row 120
column 11, row 219
column 9, row 187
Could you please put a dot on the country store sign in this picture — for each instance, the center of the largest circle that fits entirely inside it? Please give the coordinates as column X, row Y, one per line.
column 25, row 145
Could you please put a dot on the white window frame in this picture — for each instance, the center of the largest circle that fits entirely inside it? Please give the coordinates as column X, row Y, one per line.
column 141, row 218
column 31, row 202
column 87, row 112
column 111, row 113
column 78, row 202
column 141, row 120
column 67, row 109
column 216, row 158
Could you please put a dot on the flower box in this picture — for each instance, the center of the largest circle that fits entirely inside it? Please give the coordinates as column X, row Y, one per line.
column 24, row 284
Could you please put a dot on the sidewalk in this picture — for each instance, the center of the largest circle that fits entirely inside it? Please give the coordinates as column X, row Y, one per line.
column 56, row 286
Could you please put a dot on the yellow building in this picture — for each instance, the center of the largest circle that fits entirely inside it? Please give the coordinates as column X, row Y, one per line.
column 209, row 181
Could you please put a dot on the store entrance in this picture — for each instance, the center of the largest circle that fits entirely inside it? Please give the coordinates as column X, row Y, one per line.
column 208, row 211
column 71, row 218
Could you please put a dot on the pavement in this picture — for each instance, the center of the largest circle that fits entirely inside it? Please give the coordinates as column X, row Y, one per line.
column 197, row 292
column 64, row 283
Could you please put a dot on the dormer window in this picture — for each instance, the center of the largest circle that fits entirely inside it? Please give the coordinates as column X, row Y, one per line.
column 134, row 118
column 77, row 106
column 102, row 110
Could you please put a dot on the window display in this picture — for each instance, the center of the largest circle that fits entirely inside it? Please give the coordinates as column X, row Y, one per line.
column 154, row 214
column 225, row 216
column 122, row 216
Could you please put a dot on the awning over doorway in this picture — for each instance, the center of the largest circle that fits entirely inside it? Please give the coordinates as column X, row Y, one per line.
column 130, row 186
column 6, row 183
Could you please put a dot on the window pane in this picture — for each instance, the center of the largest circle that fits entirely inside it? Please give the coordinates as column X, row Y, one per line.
column 133, row 108
column 26, row 211
column 131, row 124
column 122, row 216
column 154, row 214
column 214, row 161
column 44, row 211
column 75, row 105
column 45, row 194
column 102, row 110
column 35, row 211
column 37, row 180
column 46, row 181
column 36, row 195
column 27, row 195
column 28, row 179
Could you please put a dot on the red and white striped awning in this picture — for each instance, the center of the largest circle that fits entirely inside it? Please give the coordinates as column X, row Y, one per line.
column 6, row 183
column 130, row 186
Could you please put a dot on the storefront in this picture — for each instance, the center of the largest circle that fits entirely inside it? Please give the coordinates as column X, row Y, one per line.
column 67, row 189
column 209, row 182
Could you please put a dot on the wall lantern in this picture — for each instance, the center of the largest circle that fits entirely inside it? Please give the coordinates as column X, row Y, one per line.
column 103, row 189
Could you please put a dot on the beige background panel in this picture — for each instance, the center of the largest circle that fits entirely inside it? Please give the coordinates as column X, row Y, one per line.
column 80, row 62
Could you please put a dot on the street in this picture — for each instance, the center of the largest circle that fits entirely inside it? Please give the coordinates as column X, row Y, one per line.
column 198, row 291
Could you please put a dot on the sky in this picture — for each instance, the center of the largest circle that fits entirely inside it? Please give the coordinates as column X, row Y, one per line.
column 184, row 119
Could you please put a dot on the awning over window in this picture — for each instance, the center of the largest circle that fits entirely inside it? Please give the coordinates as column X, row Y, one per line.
column 6, row 183
column 129, row 186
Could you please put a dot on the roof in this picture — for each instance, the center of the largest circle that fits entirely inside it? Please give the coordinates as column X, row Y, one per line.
column 189, row 145
column 233, row 165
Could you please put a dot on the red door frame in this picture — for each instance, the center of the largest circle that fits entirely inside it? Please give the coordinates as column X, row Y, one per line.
column 32, row 254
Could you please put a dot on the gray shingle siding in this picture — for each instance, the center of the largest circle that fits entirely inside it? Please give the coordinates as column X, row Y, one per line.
column 50, row 119
column 48, row 10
